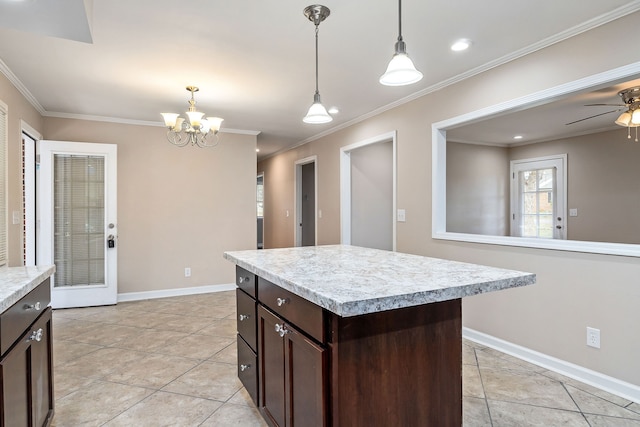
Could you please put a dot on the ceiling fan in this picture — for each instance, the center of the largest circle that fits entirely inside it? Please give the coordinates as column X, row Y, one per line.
column 631, row 103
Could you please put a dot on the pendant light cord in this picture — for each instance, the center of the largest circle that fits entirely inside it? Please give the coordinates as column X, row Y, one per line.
column 399, row 20
column 317, row 58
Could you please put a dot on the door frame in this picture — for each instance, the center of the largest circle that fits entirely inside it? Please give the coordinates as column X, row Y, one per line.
column 345, row 184
column 109, row 294
column 297, row 198
column 30, row 214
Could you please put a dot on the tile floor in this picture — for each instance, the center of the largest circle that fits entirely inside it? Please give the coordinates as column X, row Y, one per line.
column 172, row 362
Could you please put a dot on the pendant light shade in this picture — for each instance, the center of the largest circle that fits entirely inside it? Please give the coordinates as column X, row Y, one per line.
column 400, row 70
column 317, row 114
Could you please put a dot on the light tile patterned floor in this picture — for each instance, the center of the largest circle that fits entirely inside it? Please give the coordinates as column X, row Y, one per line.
column 172, row 362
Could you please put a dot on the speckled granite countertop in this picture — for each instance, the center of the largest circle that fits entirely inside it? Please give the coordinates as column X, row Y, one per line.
column 16, row 282
column 349, row 280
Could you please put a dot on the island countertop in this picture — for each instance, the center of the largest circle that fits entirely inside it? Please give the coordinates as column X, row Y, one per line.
column 16, row 282
column 350, row 280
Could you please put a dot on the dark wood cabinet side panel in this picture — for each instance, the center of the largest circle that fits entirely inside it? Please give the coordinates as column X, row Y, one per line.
column 42, row 371
column 398, row 368
column 306, row 382
column 271, row 372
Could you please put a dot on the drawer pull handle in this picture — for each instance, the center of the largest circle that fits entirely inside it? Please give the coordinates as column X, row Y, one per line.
column 281, row 330
column 243, row 317
column 37, row 306
column 241, row 279
column 281, row 301
column 244, row 367
column 36, row 335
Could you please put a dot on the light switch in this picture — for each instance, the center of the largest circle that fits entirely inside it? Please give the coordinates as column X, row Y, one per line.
column 573, row 212
column 319, row 213
column 402, row 215
column 287, row 213
column 17, row 217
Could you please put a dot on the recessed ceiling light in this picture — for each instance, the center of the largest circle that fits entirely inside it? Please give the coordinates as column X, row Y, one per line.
column 460, row 45
column 334, row 110
column 517, row 137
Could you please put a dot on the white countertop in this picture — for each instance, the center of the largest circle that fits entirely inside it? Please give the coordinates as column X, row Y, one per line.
column 350, row 280
column 16, row 282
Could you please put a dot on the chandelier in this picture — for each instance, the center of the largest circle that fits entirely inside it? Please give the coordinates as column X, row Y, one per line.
column 195, row 130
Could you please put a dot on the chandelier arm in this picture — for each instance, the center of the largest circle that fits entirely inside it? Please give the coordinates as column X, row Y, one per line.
column 176, row 139
column 317, row 58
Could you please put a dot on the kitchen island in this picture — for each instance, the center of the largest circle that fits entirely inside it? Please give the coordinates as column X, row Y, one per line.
column 348, row 336
column 26, row 367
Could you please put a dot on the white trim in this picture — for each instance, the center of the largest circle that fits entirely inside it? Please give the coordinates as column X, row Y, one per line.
column 345, row 184
column 439, row 161
column 297, row 203
column 604, row 382
column 165, row 293
column 4, row 69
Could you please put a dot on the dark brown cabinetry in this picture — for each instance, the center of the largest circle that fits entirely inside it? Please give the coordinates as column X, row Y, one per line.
column 292, row 374
column 26, row 375
column 247, row 339
column 399, row 367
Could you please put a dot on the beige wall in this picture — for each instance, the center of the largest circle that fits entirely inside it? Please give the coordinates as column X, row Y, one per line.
column 19, row 111
column 573, row 290
column 177, row 207
column 478, row 189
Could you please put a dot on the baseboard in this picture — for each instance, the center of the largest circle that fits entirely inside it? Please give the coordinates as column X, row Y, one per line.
column 609, row 384
column 164, row 293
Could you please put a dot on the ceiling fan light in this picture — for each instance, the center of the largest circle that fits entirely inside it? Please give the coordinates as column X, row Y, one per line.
column 317, row 114
column 624, row 119
column 178, row 126
column 400, row 71
column 635, row 118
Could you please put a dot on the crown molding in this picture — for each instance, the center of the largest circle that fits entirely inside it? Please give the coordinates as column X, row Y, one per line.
column 4, row 69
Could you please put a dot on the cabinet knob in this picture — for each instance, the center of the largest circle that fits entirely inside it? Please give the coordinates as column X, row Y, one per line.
column 243, row 317
column 244, row 367
column 37, row 306
column 36, row 335
column 242, row 279
column 281, row 330
column 281, row 301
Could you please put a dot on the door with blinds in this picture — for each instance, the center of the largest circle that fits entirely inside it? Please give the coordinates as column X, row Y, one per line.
column 78, row 224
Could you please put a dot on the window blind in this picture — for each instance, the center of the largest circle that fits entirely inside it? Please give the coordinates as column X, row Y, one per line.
column 3, row 184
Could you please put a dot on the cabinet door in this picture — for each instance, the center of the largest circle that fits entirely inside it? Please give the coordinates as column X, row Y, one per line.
column 14, row 368
column 305, row 382
column 271, row 359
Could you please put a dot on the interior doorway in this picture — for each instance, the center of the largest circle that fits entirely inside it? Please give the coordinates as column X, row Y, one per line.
column 368, row 193
column 306, row 202
column 260, row 209
column 29, row 221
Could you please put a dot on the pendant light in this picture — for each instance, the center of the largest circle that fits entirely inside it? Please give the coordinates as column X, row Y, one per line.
column 317, row 114
column 401, row 70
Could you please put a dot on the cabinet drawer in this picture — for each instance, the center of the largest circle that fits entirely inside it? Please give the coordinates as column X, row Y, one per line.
column 246, row 281
column 307, row 316
column 19, row 316
column 248, row 369
column 246, row 309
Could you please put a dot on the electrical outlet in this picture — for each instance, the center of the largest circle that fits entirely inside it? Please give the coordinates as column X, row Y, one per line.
column 593, row 337
column 187, row 272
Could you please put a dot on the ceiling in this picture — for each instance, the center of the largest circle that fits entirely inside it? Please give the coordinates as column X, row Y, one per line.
column 127, row 61
column 564, row 118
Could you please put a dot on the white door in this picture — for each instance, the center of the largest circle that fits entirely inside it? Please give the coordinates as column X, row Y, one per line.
column 538, row 197
column 78, row 225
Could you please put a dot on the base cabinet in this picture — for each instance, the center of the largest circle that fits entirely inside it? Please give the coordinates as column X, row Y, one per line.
column 26, row 375
column 292, row 374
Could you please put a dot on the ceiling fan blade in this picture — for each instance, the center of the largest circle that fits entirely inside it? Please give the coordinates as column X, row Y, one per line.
column 591, row 117
column 609, row 105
